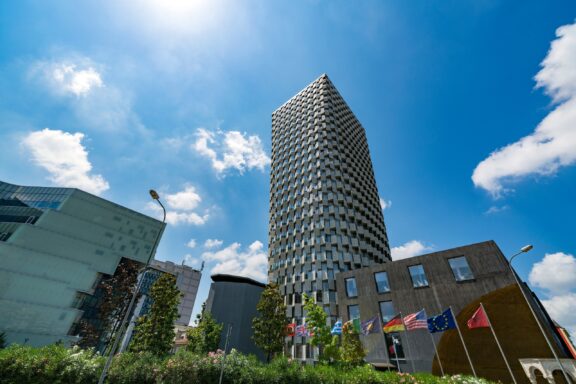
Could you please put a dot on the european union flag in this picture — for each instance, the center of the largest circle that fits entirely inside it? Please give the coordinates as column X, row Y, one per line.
column 441, row 322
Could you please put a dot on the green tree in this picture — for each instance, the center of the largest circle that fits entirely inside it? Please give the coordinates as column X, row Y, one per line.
column 321, row 336
column 351, row 350
column 155, row 331
column 205, row 336
column 270, row 326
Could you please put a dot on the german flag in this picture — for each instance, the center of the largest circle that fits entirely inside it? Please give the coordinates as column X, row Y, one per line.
column 394, row 325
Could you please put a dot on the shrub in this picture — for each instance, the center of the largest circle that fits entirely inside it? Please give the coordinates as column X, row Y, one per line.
column 56, row 364
column 50, row 364
column 134, row 368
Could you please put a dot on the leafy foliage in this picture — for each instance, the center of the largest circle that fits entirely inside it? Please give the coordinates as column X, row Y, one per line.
column 321, row 336
column 351, row 350
column 50, row 364
column 205, row 336
column 56, row 364
column 270, row 326
column 155, row 331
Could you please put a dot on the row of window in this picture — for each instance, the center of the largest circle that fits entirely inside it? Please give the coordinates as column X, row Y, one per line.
column 459, row 266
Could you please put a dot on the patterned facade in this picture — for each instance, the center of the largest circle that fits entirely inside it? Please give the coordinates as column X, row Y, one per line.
column 56, row 245
column 325, row 214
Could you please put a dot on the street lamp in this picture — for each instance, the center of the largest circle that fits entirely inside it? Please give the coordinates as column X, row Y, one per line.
column 156, row 197
column 525, row 249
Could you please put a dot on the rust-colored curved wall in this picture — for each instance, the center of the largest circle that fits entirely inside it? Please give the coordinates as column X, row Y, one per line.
column 517, row 332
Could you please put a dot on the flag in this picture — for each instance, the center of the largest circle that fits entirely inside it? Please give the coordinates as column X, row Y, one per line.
column 290, row 328
column 301, row 330
column 370, row 326
column 442, row 322
column 352, row 326
column 394, row 325
column 478, row 319
column 356, row 324
column 416, row 321
column 337, row 329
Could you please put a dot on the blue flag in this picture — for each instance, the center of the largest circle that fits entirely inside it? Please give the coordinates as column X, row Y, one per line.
column 337, row 329
column 442, row 322
column 370, row 326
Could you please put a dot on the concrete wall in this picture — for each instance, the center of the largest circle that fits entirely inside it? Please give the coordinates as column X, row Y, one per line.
column 492, row 283
column 490, row 272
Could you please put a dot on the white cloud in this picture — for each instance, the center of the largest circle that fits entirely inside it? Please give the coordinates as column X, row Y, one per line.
column 231, row 150
column 561, row 309
column 556, row 275
column 385, row 204
column 191, row 244
column 65, row 158
column 409, row 249
column 185, row 200
column 76, row 81
column 496, row 209
column 212, row 243
column 552, row 145
column 181, row 206
column 77, row 76
column 252, row 262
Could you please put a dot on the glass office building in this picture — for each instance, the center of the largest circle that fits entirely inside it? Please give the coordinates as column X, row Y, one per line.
column 325, row 214
column 55, row 246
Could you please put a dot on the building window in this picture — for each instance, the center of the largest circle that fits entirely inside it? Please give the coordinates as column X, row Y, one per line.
column 418, row 276
column 351, row 290
column 386, row 311
column 353, row 312
column 382, row 282
column 460, row 268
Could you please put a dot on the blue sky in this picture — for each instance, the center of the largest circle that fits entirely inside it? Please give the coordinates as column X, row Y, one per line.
column 469, row 108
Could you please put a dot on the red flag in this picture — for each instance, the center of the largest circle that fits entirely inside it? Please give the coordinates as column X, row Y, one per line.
column 478, row 319
column 290, row 328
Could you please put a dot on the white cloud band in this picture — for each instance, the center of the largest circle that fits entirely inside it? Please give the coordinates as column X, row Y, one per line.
column 552, row 145
column 65, row 158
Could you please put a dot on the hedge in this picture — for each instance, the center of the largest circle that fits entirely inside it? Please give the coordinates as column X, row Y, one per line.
column 57, row 364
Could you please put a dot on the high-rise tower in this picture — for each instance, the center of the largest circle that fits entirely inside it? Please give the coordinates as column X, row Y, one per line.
column 325, row 214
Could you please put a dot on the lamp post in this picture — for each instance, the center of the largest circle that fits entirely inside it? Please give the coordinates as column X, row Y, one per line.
column 156, row 197
column 525, row 249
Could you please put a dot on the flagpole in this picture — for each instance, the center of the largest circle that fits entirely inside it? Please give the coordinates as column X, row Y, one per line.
column 408, row 344
column 463, row 344
column 396, row 354
column 498, row 343
column 437, row 354
column 384, row 338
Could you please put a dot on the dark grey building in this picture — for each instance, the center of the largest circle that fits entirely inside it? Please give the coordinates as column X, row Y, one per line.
column 232, row 301
column 325, row 214
column 459, row 278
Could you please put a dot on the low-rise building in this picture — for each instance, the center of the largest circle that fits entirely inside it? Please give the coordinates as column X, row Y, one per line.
column 232, row 302
column 459, row 278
